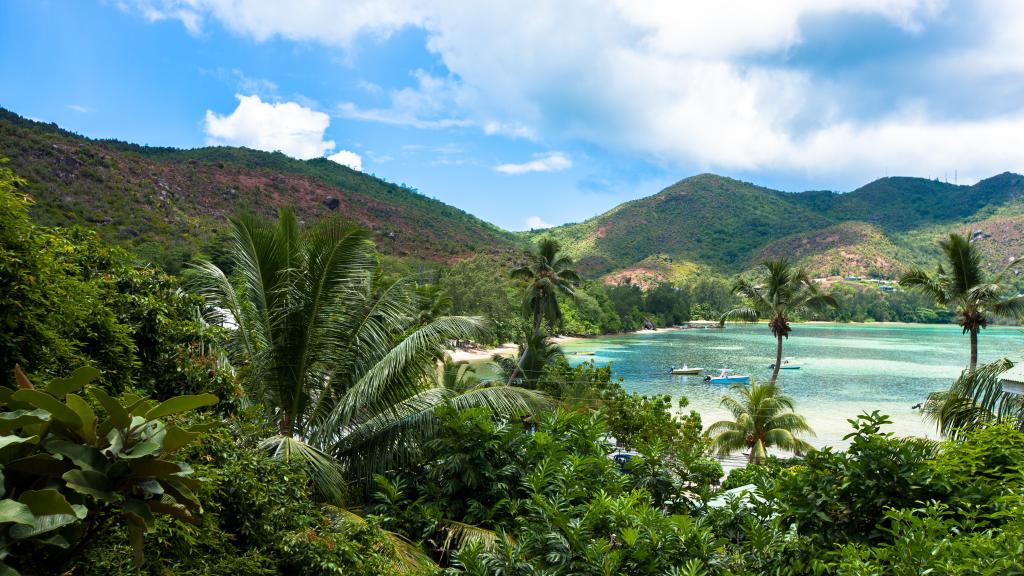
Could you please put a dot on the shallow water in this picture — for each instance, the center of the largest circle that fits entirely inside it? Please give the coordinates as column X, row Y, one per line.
column 846, row 369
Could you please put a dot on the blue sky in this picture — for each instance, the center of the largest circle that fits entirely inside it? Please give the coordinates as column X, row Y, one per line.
column 541, row 113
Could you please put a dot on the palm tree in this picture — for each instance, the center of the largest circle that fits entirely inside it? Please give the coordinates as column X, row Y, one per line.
column 336, row 357
column 964, row 288
column 434, row 302
column 784, row 291
column 459, row 376
column 764, row 418
column 549, row 274
column 526, row 368
column 975, row 400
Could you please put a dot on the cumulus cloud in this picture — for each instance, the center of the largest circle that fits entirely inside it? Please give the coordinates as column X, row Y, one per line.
column 553, row 162
column 536, row 223
column 348, row 158
column 701, row 85
column 279, row 126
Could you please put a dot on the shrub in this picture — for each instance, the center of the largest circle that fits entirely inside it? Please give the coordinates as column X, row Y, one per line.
column 69, row 475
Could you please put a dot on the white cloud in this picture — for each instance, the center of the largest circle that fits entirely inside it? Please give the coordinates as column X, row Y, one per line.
column 348, row 158
column 536, row 223
column 553, row 162
column 701, row 85
column 79, row 108
column 285, row 126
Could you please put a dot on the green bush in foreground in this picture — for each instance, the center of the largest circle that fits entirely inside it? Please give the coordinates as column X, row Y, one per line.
column 69, row 475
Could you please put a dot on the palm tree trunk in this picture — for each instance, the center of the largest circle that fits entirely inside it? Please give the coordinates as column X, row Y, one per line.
column 974, row 348
column 778, row 359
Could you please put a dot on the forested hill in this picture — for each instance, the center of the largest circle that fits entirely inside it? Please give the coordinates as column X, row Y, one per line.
column 726, row 225
column 169, row 203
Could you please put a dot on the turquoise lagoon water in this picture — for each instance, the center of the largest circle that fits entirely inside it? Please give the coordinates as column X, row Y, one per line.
column 846, row 368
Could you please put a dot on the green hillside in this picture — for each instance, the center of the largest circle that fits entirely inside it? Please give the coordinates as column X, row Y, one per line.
column 710, row 222
column 166, row 203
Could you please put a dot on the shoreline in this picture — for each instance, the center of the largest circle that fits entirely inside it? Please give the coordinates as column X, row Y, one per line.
column 480, row 354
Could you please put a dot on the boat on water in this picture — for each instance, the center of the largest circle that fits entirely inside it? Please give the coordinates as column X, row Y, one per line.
column 685, row 370
column 787, row 364
column 727, row 377
column 584, row 353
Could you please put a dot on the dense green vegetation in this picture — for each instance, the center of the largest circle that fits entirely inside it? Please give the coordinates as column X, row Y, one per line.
column 320, row 432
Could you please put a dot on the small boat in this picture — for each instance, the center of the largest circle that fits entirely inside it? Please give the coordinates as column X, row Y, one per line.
column 584, row 353
column 685, row 370
column 727, row 377
column 787, row 364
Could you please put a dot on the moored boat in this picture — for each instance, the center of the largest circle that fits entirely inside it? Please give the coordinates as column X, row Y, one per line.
column 727, row 377
column 787, row 364
column 685, row 370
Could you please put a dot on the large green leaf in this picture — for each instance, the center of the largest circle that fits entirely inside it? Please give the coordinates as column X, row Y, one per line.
column 85, row 412
column 138, row 509
column 39, row 464
column 15, row 512
column 154, row 468
column 90, row 482
column 42, row 525
column 6, row 441
column 143, row 449
column 83, row 456
column 58, row 409
column 47, row 502
column 18, row 418
column 177, row 437
column 181, row 404
column 73, row 383
column 119, row 417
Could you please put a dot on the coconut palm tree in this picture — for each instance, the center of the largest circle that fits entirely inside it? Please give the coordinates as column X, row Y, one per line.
column 964, row 288
column 526, row 368
column 337, row 358
column 459, row 376
column 434, row 302
column 783, row 292
column 763, row 418
column 549, row 274
column 975, row 400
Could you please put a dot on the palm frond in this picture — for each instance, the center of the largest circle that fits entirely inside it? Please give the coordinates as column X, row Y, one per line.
column 459, row 534
column 917, row 278
column 323, row 470
column 975, row 399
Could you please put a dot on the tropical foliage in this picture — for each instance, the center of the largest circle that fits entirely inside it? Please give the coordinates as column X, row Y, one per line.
column 548, row 275
column 783, row 292
column 466, row 484
column 976, row 400
column 70, row 473
column 341, row 362
column 763, row 418
column 961, row 284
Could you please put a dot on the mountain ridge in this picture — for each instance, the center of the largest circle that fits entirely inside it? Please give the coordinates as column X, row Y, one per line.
column 170, row 204
column 161, row 199
column 715, row 222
